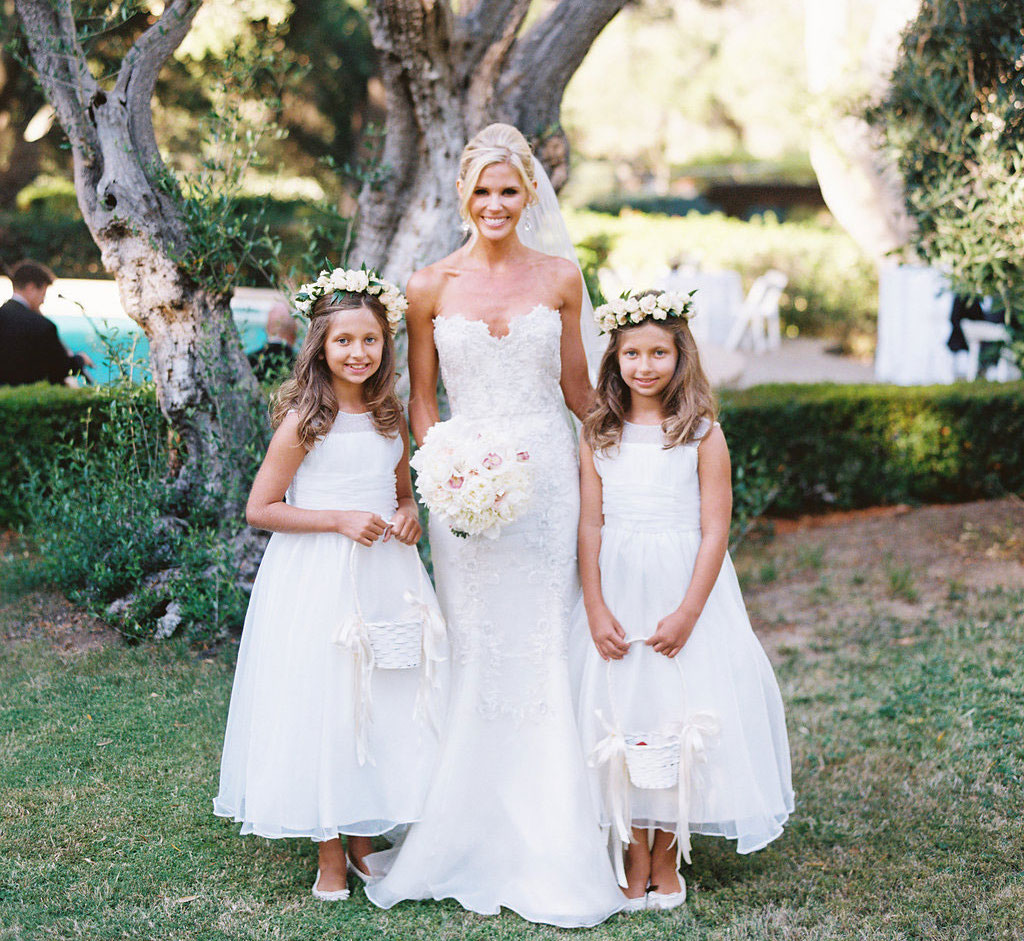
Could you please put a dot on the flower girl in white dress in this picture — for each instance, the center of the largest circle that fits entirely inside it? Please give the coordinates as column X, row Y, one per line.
column 678, row 706
column 319, row 743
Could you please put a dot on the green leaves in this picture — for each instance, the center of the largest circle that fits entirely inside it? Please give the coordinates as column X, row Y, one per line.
column 954, row 120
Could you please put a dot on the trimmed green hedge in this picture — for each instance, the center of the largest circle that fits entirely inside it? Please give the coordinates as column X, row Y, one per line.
column 823, row 445
column 36, row 419
column 857, row 446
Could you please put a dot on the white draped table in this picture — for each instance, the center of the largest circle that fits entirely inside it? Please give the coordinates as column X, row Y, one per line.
column 914, row 304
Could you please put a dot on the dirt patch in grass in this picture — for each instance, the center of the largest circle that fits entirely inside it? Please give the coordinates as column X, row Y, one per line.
column 896, row 563
column 28, row 612
column 50, row 616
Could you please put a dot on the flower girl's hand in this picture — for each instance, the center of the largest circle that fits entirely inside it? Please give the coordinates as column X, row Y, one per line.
column 609, row 637
column 405, row 527
column 672, row 634
column 360, row 526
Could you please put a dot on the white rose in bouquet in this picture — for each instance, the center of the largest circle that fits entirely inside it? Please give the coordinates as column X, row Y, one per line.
column 477, row 481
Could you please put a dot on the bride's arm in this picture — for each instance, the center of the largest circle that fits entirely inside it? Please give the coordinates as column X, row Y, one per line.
column 576, row 388
column 422, row 293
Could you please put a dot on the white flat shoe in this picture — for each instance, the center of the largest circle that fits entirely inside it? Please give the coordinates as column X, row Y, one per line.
column 338, row 895
column 355, row 870
column 635, row 905
column 663, row 901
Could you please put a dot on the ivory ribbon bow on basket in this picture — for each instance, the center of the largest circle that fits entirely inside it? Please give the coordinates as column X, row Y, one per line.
column 354, row 633
column 694, row 735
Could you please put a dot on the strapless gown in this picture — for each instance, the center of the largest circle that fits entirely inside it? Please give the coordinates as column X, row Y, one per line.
column 508, row 819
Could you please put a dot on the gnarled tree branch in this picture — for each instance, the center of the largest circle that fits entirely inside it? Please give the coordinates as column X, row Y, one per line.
column 61, row 68
column 136, row 79
column 447, row 76
column 548, row 56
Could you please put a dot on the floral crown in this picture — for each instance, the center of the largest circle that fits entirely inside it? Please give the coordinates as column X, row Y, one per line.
column 632, row 309
column 351, row 281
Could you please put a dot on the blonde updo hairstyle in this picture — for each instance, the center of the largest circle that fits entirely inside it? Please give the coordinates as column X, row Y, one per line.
column 496, row 143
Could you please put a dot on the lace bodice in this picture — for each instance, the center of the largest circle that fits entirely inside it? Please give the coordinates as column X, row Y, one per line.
column 646, row 487
column 507, row 601
column 351, row 468
column 488, row 376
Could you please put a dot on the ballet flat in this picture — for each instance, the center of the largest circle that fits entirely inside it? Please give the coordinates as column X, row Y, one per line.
column 338, row 895
column 661, row 902
column 635, row 905
column 356, row 871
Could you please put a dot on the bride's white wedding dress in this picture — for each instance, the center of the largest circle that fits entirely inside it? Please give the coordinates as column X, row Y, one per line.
column 509, row 820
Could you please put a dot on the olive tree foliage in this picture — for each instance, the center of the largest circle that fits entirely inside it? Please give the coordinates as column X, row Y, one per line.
column 953, row 120
column 447, row 71
column 137, row 216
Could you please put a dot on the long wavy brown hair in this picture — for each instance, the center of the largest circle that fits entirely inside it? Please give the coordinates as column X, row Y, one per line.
column 685, row 400
column 309, row 390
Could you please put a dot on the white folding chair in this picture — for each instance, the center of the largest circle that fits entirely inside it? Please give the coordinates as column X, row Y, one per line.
column 977, row 332
column 759, row 314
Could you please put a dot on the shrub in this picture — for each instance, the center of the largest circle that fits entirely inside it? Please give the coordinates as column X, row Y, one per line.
column 858, row 446
column 833, row 288
column 953, row 119
column 37, row 420
column 95, row 497
column 90, row 487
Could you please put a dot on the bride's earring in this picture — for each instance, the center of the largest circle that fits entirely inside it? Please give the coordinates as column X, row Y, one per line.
column 526, row 219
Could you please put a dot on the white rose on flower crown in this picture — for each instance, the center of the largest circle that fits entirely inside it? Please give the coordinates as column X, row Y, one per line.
column 358, row 282
column 635, row 309
column 353, row 281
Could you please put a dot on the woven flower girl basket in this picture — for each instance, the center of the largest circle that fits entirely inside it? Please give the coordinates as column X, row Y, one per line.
column 652, row 758
column 396, row 645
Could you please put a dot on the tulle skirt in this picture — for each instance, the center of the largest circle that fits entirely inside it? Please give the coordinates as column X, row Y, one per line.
column 290, row 766
column 741, row 789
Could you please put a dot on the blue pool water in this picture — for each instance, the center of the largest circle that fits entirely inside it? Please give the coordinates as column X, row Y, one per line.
column 118, row 345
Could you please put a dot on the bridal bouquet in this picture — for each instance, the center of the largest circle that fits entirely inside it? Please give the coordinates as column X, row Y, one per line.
column 477, row 481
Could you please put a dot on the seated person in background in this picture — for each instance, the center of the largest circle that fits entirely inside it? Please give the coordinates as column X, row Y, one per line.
column 30, row 348
column 273, row 361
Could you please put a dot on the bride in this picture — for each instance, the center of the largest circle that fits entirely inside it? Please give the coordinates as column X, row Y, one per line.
column 508, row 820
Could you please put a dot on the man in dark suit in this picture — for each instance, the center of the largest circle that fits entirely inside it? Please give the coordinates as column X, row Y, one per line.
column 30, row 349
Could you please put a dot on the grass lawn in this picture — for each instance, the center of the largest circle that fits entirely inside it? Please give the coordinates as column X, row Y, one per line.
column 908, row 760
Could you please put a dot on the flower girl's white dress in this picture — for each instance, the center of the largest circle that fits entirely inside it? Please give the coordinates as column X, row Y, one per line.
column 720, row 689
column 509, row 820
column 291, row 764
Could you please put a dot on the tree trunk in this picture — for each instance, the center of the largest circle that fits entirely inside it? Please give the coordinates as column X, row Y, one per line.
column 203, row 381
column 860, row 186
column 446, row 77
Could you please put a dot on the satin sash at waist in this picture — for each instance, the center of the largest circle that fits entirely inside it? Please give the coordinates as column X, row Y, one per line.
column 336, row 492
column 655, row 509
